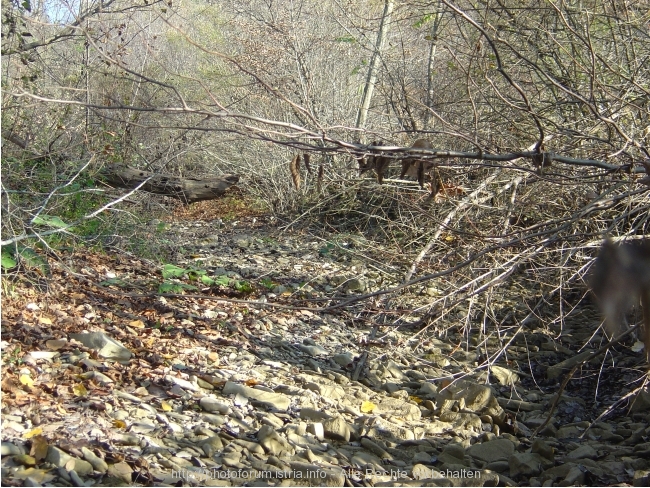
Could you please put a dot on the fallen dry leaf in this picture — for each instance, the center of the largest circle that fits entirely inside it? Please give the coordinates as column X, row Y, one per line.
column 368, row 407
column 39, row 447
column 32, row 433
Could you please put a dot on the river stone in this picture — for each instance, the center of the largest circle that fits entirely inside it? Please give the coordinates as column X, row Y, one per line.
column 428, row 390
column 465, row 421
column 344, row 359
column 121, row 471
column 61, row 459
column 554, row 473
column 641, row 401
column 317, row 430
column 97, row 463
column 504, row 375
column 214, row 406
column 271, row 441
column 315, row 475
column 9, row 449
column 421, row 472
column 528, row 464
column 569, row 432
column 337, row 429
column 583, row 452
column 542, row 448
column 375, row 448
column 575, row 477
column 398, row 408
column 331, row 392
column 363, row 458
column 496, row 450
column 277, row 400
column 641, row 477
column 307, row 413
column 313, row 350
column 453, row 454
column 217, row 420
column 106, row 346
column 211, row 445
column 481, row 400
column 182, row 383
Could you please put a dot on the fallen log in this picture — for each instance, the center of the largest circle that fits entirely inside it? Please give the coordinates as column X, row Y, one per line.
column 187, row 190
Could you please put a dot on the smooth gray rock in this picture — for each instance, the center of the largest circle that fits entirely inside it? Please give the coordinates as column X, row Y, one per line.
column 317, row 430
column 583, row 452
column 307, row 413
column 318, row 475
column 527, row 464
column 336, row 429
column 61, row 459
column 213, row 419
column 211, row 445
column 331, row 392
column 213, row 405
column 343, row 359
column 504, row 375
column 106, row 346
column 277, row 400
column 9, row 449
column 542, row 448
column 496, row 450
column 398, row 408
column 186, row 385
column 97, row 463
column 375, row 448
column 453, row 454
column 313, row 350
column 271, row 441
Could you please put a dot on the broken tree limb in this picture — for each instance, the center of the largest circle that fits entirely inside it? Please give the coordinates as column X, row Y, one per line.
column 188, row 190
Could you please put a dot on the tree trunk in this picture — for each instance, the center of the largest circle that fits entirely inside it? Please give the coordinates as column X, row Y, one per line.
column 374, row 63
column 433, row 46
column 187, row 190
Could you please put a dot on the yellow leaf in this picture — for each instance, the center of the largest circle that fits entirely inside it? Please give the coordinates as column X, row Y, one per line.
column 45, row 320
column 39, row 475
column 138, row 324
column 26, row 380
column 39, row 447
column 368, row 407
column 166, row 407
column 79, row 389
column 120, row 424
column 32, row 433
column 61, row 410
column 416, row 399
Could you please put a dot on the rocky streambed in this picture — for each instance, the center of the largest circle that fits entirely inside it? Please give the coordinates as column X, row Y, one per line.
column 117, row 390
